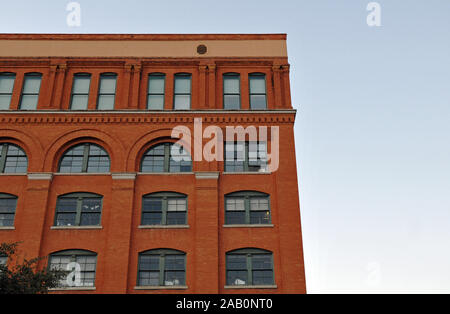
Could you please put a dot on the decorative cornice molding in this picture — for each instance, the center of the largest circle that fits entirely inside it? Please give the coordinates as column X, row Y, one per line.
column 139, row 117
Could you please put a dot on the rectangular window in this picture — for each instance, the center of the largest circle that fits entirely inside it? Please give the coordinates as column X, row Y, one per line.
column 80, row 92
column 6, row 89
column 30, row 91
column 182, row 93
column 3, row 260
column 156, row 88
column 231, row 91
column 258, row 97
column 107, row 92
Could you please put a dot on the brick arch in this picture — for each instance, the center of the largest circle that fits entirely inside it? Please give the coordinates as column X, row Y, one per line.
column 113, row 147
column 32, row 147
column 146, row 141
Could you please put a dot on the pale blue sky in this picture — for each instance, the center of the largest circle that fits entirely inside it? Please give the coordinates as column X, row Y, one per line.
column 373, row 124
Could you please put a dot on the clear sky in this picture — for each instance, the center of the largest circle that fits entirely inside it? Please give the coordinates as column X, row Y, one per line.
column 373, row 123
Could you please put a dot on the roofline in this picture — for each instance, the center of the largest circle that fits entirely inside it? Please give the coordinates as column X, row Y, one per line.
column 148, row 37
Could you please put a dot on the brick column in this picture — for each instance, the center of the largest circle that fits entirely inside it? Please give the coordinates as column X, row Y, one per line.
column 35, row 206
column 59, row 87
column 207, row 233
column 287, row 102
column 48, row 94
column 211, row 103
column 276, row 69
column 202, row 101
column 135, row 84
column 117, row 251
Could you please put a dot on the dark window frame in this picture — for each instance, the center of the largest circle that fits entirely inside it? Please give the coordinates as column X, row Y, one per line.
column 73, row 254
column 9, row 74
column 4, row 149
column 4, row 196
column 75, row 76
column 229, row 75
column 175, row 94
column 80, row 197
column 258, row 76
column 162, row 254
column 249, row 254
column 165, row 197
column 156, row 75
column 247, row 196
column 246, row 162
column 86, row 157
column 99, row 94
column 27, row 75
column 167, row 158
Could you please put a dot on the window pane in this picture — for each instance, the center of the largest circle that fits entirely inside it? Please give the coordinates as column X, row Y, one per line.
column 7, row 84
column 232, row 102
column 257, row 84
column 29, row 102
column 174, row 262
column 182, row 102
column 235, row 204
column 66, row 219
column 231, row 84
column 262, row 277
column 152, row 204
column 3, row 260
column 258, row 102
column 262, row 261
column 149, row 278
column 71, row 164
column 237, row 278
column 5, row 101
column 155, row 102
column 149, row 262
column 107, row 84
column 235, row 218
column 176, row 205
column 81, row 84
column 79, row 102
column 106, row 102
column 152, row 219
column 156, row 84
column 236, row 262
column 31, row 84
column 16, row 165
column 6, row 220
column 8, row 205
column 182, row 84
column 260, row 217
column 176, row 218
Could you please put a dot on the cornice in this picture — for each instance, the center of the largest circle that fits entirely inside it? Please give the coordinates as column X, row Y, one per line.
column 139, row 117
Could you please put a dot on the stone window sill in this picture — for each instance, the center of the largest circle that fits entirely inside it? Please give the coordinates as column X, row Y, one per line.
column 7, row 228
column 161, row 288
column 252, row 287
column 249, row 226
column 165, row 227
column 73, row 289
column 76, row 227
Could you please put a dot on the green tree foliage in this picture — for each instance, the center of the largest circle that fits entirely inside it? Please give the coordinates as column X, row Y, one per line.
column 25, row 277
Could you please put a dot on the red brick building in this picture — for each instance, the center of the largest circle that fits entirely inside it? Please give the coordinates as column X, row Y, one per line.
column 88, row 178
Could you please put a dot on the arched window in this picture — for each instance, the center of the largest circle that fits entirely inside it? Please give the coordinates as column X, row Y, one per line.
column 247, row 208
column 249, row 267
column 80, row 91
column 8, row 205
column 156, row 91
column 166, row 157
column 6, row 89
column 164, row 209
column 78, row 209
column 80, row 264
column 30, row 91
column 12, row 159
column 158, row 268
column 231, row 91
column 85, row 158
column 258, row 91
